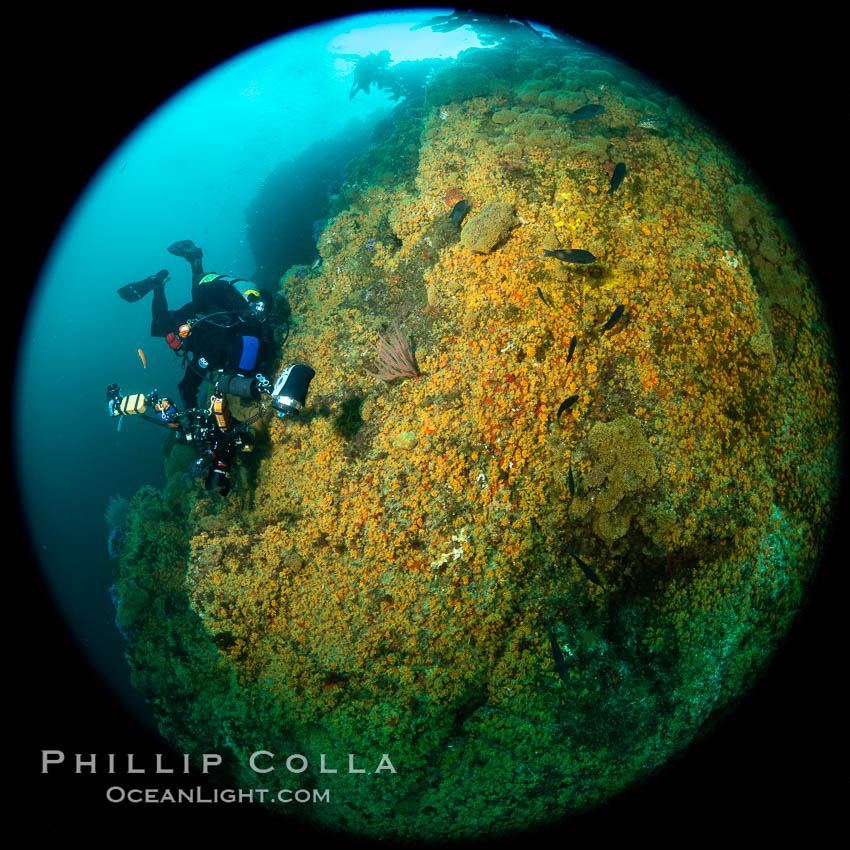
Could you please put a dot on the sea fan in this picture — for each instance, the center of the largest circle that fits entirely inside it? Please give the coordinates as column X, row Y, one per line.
column 395, row 359
column 115, row 542
column 116, row 512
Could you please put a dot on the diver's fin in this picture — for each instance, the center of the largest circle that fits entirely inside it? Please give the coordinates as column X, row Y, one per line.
column 134, row 291
column 187, row 249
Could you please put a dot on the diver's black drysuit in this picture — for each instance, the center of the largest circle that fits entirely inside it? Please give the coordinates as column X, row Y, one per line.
column 224, row 331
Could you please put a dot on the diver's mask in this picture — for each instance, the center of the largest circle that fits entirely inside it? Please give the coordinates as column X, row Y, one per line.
column 257, row 307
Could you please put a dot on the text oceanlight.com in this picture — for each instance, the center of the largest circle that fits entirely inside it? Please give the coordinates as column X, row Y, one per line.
column 117, row 794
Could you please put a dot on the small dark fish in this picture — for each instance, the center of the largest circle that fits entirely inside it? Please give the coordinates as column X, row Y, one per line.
column 459, row 211
column 617, row 177
column 561, row 666
column 615, row 317
column 576, row 255
column 543, row 298
column 566, row 405
column 572, row 349
column 585, row 568
column 591, row 110
column 570, row 480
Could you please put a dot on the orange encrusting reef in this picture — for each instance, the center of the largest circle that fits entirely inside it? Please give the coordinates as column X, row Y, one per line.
column 401, row 573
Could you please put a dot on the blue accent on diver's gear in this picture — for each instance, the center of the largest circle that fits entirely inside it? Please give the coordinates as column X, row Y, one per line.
column 250, row 345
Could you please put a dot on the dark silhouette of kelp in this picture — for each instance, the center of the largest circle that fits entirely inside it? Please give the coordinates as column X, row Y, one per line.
column 490, row 28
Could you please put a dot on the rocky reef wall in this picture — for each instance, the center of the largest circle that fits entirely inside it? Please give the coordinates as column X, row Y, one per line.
column 527, row 607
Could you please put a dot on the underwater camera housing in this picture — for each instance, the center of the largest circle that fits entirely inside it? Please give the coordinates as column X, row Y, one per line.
column 290, row 390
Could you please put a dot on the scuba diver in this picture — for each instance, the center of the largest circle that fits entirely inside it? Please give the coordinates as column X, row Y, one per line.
column 223, row 329
column 221, row 336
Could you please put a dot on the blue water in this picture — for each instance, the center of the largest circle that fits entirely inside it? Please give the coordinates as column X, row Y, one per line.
column 260, row 138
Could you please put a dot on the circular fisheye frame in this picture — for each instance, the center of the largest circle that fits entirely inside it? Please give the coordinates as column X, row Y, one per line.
column 460, row 457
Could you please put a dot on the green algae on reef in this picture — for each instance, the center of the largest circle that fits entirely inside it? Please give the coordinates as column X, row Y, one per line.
column 392, row 573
